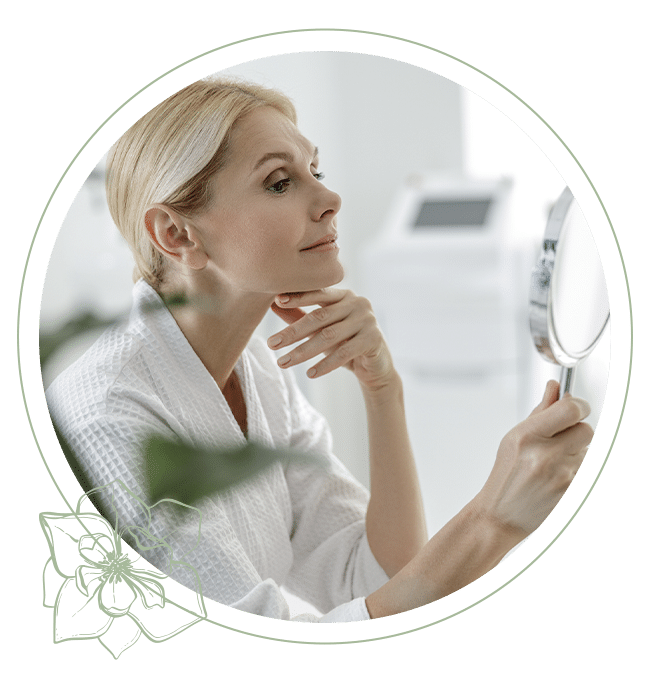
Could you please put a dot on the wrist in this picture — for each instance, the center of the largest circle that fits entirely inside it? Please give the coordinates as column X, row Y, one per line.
column 501, row 532
column 387, row 388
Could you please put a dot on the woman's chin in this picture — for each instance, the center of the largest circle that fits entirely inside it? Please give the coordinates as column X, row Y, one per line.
column 315, row 281
column 340, row 274
column 332, row 278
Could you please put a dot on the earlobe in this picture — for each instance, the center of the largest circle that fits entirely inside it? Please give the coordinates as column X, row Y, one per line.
column 174, row 237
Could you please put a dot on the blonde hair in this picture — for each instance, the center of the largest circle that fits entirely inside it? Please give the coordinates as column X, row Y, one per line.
column 169, row 155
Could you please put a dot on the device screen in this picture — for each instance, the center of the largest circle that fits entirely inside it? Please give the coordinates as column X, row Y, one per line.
column 453, row 213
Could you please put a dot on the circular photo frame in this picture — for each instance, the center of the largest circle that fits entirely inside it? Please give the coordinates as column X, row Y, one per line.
column 395, row 55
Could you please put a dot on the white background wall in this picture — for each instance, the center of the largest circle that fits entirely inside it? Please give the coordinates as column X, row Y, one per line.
column 494, row 145
column 376, row 122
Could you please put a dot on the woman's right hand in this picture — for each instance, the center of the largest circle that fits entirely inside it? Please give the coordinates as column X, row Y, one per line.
column 536, row 462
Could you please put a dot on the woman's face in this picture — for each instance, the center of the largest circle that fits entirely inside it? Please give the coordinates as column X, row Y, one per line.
column 270, row 211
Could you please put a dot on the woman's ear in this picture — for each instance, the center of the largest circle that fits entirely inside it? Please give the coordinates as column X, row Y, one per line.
column 174, row 236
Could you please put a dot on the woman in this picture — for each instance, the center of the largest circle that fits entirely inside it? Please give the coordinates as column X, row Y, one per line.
column 220, row 198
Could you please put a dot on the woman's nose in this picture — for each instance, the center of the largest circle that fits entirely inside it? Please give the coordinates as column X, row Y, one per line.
column 326, row 202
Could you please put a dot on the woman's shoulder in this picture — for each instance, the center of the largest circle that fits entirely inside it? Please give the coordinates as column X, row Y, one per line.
column 128, row 356
column 85, row 383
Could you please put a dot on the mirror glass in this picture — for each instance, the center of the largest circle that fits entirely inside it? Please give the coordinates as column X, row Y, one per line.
column 580, row 307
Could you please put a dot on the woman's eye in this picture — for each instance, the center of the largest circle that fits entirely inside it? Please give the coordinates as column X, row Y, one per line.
column 280, row 186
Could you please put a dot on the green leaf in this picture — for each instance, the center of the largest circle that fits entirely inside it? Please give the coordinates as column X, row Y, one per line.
column 178, row 471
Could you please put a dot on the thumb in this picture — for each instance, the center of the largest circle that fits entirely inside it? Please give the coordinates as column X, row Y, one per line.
column 551, row 395
column 289, row 315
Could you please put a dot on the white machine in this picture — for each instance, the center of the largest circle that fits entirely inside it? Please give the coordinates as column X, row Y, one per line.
column 440, row 278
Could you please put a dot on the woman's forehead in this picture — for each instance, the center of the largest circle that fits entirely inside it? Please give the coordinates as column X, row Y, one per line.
column 267, row 131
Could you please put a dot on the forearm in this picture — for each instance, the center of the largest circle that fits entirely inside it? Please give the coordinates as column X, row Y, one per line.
column 466, row 548
column 395, row 521
column 535, row 464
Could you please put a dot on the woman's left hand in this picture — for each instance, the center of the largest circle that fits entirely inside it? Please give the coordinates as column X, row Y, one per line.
column 344, row 328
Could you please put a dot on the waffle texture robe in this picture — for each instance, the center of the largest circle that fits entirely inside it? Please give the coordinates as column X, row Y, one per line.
column 295, row 526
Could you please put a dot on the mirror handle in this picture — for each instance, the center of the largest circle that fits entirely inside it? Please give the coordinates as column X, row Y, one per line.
column 567, row 377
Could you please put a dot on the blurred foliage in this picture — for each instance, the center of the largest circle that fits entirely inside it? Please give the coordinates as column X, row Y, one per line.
column 50, row 342
column 174, row 469
column 186, row 473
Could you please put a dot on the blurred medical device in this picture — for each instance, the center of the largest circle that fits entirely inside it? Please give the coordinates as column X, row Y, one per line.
column 444, row 285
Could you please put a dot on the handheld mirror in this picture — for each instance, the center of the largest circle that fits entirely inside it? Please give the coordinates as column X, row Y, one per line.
column 569, row 308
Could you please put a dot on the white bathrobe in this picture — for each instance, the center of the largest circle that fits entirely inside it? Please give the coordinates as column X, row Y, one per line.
column 300, row 527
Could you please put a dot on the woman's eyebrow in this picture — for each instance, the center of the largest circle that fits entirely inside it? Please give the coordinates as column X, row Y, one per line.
column 284, row 156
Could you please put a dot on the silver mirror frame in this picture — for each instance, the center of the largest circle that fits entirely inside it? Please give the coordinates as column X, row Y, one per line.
column 542, row 327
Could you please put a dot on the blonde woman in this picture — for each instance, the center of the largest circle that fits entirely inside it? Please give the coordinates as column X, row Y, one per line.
column 221, row 199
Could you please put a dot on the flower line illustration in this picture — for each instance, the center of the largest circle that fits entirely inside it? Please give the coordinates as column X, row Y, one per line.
column 101, row 588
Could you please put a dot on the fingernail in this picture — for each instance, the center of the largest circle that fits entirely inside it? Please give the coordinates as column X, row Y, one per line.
column 284, row 360
column 283, row 298
column 311, row 372
column 274, row 341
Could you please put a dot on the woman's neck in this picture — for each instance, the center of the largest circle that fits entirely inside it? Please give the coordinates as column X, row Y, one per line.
column 218, row 323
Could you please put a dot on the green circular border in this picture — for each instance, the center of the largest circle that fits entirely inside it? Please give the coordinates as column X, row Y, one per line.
column 477, row 85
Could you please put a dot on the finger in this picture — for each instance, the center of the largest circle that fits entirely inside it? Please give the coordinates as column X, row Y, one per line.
column 576, row 439
column 310, row 323
column 324, row 341
column 355, row 349
column 551, row 395
column 289, row 315
column 339, row 357
column 558, row 416
column 329, row 295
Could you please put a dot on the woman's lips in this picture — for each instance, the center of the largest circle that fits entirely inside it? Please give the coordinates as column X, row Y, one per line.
column 323, row 244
